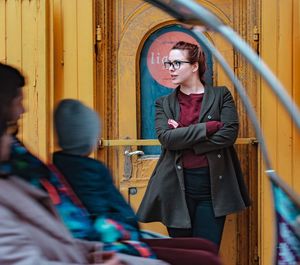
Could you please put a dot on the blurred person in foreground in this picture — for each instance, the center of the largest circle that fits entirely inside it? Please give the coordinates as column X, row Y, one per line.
column 31, row 231
column 78, row 129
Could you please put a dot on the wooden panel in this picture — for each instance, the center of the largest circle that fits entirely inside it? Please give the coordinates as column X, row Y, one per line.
column 296, row 92
column 73, row 45
column 267, row 215
column 285, row 72
column 70, row 48
column 23, row 34
column 130, row 36
column 279, row 50
column 245, row 19
column 135, row 22
column 128, row 8
column 57, row 40
column 105, row 69
column 2, row 31
column 34, row 65
column 14, row 38
column 268, row 109
column 140, row 177
column 14, row 32
column 85, row 52
column 57, row 65
column 73, row 54
column 29, row 64
column 51, row 80
column 42, row 76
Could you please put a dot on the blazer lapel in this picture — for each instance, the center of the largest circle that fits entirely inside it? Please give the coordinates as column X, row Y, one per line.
column 33, row 205
column 208, row 100
column 171, row 105
column 172, row 108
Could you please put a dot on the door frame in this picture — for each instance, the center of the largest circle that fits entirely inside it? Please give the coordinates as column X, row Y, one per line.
column 120, row 50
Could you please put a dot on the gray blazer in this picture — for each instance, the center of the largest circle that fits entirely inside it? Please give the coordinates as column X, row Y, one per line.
column 32, row 234
column 164, row 200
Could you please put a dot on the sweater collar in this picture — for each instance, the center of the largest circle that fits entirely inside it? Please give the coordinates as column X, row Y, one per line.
column 173, row 109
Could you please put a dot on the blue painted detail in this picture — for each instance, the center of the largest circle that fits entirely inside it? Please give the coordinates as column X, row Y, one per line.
column 151, row 90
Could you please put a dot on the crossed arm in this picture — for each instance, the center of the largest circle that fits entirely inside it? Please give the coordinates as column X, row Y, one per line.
column 195, row 136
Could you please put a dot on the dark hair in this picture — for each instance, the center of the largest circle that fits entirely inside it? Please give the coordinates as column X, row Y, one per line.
column 3, row 127
column 195, row 54
column 11, row 80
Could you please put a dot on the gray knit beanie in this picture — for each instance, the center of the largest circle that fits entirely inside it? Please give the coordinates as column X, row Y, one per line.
column 77, row 127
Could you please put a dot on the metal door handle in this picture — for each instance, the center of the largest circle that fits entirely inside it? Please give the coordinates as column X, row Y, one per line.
column 137, row 152
column 128, row 162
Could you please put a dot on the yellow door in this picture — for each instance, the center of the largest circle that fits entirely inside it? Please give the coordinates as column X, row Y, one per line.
column 138, row 31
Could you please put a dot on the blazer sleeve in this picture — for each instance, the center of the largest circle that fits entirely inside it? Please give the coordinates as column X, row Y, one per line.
column 16, row 246
column 179, row 138
column 227, row 135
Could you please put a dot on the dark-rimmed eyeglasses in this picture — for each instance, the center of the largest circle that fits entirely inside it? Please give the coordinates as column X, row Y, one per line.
column 176, row 64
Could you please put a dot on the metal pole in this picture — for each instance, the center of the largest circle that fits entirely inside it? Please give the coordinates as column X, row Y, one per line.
column 191, row 12
column 241, row 91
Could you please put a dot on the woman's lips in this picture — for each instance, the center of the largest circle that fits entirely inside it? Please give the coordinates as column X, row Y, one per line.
column 173, row 77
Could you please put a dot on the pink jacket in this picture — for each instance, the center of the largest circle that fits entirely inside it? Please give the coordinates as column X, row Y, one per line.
column 32, row 234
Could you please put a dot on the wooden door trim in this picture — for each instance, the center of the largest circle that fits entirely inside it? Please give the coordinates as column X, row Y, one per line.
column 155, row 142
column 117, row 71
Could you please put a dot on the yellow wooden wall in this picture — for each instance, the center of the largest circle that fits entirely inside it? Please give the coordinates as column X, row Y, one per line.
column 280, row 47
column 72, row 60
column 52, row 42
column 23, row 44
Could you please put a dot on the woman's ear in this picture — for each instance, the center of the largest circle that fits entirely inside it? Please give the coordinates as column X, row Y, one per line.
column 195, row 67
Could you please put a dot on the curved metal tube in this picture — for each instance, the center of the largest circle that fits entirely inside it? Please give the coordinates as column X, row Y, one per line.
column 240, row 89
column 191, row 12
column 265, row 72
column 137, row 152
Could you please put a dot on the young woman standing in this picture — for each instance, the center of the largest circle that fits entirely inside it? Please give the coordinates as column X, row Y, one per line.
column 198, row 179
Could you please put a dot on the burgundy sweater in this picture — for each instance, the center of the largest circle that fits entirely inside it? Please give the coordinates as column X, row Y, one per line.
column 190, row 106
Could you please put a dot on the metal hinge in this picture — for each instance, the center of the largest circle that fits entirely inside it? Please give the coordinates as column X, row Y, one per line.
column 255, row 33
column 98, row 41
column 256, row 39
column 98, row 34
column 235, row 60
column 256, row 256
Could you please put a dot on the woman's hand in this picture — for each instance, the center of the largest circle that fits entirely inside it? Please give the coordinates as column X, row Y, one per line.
column 173, row 124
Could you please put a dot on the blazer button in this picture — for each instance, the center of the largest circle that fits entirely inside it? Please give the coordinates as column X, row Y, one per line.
column 179, row 167
column 209, row 117
column 219, row 156
column 220, row 177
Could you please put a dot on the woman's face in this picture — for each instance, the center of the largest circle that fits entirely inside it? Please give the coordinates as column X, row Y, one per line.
column 5, row 144
column 185, row 71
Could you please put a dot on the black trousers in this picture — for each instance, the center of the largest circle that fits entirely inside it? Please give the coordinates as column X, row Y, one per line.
column 199, row 203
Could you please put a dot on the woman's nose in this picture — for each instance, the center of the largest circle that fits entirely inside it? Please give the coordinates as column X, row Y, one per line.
column 171, row 68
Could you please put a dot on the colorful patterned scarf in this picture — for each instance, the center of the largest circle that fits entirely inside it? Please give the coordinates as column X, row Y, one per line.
column 116, row 236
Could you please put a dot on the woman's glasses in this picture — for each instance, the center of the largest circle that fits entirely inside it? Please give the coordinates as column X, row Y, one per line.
column 176, row 64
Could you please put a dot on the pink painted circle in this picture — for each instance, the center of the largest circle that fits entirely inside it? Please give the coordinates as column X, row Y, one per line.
column 158, row 52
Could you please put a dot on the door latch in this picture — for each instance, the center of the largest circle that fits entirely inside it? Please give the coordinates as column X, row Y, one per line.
column 128, row 162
